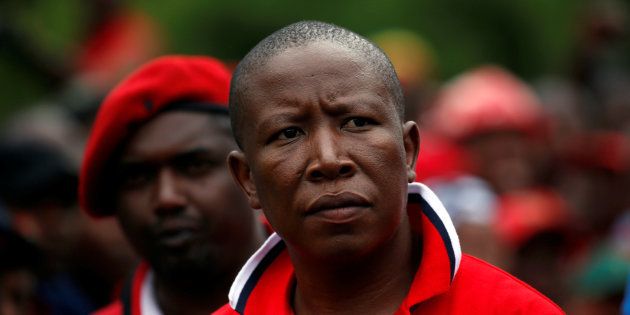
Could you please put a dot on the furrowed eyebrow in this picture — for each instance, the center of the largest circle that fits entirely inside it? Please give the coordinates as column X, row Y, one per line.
column 180, row 156
column 131, row 163
column 192, row 154
column 280, row 119
column 355, row 108
column 337, row 108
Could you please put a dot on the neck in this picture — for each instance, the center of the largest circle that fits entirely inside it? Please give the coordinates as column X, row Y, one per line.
column 191, row 299
column 376, row 284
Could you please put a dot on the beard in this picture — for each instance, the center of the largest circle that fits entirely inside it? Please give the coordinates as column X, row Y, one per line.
column 194, row 271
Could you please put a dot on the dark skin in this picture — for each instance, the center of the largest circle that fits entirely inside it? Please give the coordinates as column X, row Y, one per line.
column 328, row 158
column 182, row 212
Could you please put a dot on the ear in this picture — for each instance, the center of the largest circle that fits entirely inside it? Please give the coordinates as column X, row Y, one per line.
column 242, row 175
column 411, row 139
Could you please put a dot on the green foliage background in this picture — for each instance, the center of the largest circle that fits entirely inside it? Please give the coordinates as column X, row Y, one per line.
column 530, row 37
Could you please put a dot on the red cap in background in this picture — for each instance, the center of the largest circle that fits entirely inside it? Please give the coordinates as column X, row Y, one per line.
column 483, row 100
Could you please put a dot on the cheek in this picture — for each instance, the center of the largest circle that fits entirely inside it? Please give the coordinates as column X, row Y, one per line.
column 278, row 174
column 134, row 231
column 133, row 212
column 225, row 213
column 219, row 202
column 137, row 199
column 277, row 179
column 217, row 194
column 382, row 157
column 382, row 160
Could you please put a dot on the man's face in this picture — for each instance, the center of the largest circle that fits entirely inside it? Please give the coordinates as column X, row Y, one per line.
column 326, row 155
column 177, row 203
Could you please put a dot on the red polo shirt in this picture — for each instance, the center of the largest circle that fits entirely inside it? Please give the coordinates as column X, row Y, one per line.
column 445, row 283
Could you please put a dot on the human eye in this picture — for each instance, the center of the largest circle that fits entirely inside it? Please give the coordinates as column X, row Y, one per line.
column 135, row 176
column 195, row 166
column 288, row 134
column 358, row 122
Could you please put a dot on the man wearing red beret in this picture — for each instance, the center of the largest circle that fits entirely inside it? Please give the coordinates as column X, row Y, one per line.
column 324, row 150
column 156, row 160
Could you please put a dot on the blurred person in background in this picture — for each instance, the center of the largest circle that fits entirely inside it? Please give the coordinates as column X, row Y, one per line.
column 601, row 65
column 598, row 277
column 498, row 122
column 590, row 112
column 101, row 254
column 19, row 275
column 156, row 161
column 596, row 170
column 595, row 179
column 39, row 191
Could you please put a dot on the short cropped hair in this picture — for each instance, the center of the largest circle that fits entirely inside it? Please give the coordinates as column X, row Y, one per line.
column 301, row 34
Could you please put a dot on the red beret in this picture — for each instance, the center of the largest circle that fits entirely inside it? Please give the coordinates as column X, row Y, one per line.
column 138, row 98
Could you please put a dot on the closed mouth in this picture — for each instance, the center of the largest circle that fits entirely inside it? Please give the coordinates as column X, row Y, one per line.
column 344, row 200
column 176, row 233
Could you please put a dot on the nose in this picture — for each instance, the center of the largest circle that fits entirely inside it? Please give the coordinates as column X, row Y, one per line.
column 169, row 194
column 330, row 160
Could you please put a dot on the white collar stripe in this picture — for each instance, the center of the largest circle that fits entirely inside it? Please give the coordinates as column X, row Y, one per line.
column 256, row 274
column 148, row 301
column 246, row 277
column 449, row 235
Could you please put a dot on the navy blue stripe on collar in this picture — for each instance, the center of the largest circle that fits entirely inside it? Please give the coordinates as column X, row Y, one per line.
column 256, row 274
column 434, row 210
column 126, row 294
column 430, row 213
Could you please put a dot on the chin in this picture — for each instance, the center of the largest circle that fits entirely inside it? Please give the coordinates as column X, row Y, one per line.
column 342, row 249
column 188, row 265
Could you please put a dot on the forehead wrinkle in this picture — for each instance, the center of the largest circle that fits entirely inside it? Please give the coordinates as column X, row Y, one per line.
column 346, row 104
column 340, row 100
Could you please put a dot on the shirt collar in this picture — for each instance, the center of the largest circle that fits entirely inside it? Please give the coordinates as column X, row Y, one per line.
column 148, row 301
column 441, row 256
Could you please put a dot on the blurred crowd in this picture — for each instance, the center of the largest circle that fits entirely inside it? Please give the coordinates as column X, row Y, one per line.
column 535, row 174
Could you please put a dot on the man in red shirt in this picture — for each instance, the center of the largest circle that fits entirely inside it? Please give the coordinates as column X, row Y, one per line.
column 156, row 160
column 317, row 112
